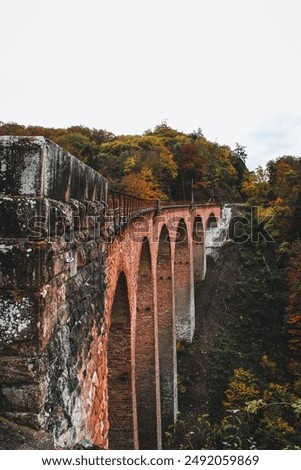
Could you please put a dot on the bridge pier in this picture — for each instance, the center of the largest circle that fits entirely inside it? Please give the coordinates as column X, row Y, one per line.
column 145, row 363
column 120, row 397
column 166, row 332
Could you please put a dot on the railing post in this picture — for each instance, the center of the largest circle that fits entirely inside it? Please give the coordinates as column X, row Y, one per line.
column 158, row 207
column 114, row 214
column 192, row 197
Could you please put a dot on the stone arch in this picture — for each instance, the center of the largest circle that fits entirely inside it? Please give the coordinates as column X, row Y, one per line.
column 166, row 331
column 184, row 302
column 145, row 354
column 198, row 249
column 211, row 222
column 120, row 403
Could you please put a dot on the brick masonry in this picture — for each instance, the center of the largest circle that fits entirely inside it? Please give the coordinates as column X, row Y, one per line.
column 155, row 254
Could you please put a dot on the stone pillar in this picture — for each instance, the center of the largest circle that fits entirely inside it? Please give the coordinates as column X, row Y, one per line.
column 145, row 355
column 166, row 332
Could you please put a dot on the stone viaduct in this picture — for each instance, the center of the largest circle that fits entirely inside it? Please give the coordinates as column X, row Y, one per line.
column 96, row 288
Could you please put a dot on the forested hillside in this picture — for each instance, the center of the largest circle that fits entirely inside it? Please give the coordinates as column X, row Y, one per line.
column 160, row 164
column 246, row 379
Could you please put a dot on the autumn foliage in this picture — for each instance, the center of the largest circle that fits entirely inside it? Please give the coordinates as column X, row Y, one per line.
column 160, row 164
column 293, row 309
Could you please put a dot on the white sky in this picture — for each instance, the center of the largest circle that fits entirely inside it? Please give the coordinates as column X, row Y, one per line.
column 230, row 67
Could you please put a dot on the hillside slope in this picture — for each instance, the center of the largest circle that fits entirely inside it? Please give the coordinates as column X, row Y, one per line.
column 240, row 326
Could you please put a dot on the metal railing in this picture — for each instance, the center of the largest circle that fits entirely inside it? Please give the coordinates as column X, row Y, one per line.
column 121, row 208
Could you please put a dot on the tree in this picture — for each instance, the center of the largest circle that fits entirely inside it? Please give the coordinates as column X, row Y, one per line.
column 239, row 157
column 283, row 178
column 296, row 219
column 138, row 155
column 141, row 184
column 257, row 187
column 220, row 176
column 191, row 168
column 293, row 309
column 242, row 387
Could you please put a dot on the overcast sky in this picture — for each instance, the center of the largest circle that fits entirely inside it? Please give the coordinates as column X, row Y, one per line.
column 229, row 67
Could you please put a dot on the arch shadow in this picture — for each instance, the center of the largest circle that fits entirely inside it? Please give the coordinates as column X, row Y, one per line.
column 184, row 292
column 145, row 348
column 166, row 332
column 120, row 402
column 198, row 249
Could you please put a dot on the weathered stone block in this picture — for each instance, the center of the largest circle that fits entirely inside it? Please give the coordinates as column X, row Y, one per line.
column 26, row 398
column 78, row 183
column 18, row 320
column 15, row 370
column 14, row 436
column 61, row 220
column 22, row 217
column 21, row 165
column 24, row 264
column 67, row 177
column 36, row 166
column 58, row 172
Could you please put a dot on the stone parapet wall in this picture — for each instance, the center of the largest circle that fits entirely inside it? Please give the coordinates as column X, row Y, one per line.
column 52, row 253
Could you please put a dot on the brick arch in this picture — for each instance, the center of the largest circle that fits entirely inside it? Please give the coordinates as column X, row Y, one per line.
column 166, row 331
column 211, row 221
column 184, row 304
column 145, row 364
column 120, row 406
column 198, row 239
